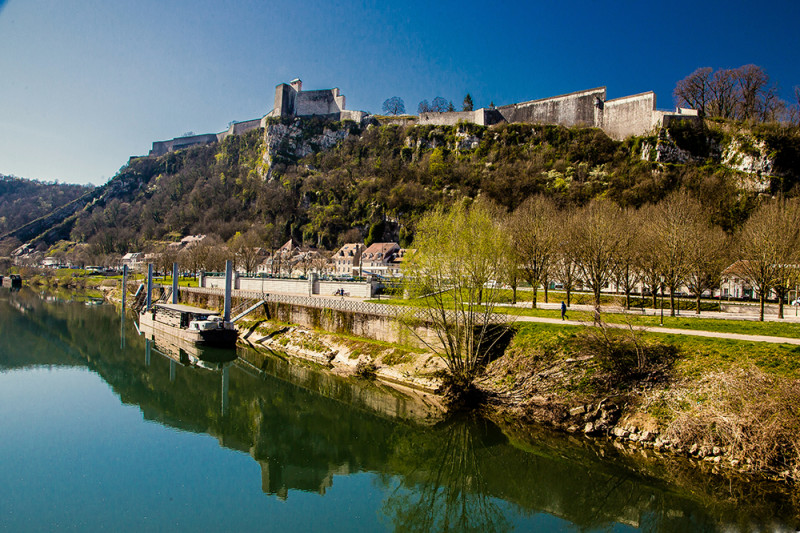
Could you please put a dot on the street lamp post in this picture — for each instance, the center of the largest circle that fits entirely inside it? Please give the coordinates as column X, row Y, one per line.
column 662, row 301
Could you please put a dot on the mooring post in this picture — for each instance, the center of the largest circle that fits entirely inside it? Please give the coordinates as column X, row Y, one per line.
column 228, row 287
column 124, row 286
column 174, row 283
column 149, row 285
column 224, row 393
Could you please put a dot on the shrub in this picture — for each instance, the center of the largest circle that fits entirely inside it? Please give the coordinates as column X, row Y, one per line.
column 623, row 355
column 366, row 369
column 750, row 413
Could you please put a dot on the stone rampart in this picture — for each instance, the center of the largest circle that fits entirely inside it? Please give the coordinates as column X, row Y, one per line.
column 574, row 109
column 619, row 118
column 402, row 121
column 631, row 115
column 355, row 116
column 448, row 118
column 483, row 117
column 162, row 147
column 324, row 102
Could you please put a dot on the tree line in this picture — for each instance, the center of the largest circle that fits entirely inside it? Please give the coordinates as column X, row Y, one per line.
column 660, row 247
column 744, row 93
column 396, row 106
column 462, row 250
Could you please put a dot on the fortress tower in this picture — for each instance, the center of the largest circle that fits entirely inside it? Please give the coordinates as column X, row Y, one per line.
column 292, row 101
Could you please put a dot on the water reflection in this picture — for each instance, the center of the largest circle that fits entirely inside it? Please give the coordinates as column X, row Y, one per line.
column 444, row 488
column 305, row 426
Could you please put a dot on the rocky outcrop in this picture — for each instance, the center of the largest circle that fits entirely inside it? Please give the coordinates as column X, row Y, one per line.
column 747, row 155
column 750, row 156
column 296, row 140
column 666, row 150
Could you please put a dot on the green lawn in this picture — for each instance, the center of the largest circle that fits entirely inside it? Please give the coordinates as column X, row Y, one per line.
column 698, row 355
column 182, row 282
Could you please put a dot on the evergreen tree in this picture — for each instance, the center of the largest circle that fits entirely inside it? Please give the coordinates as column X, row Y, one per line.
column 468, row 104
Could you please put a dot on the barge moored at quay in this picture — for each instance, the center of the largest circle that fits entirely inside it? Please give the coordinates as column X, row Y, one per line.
column 191, row 324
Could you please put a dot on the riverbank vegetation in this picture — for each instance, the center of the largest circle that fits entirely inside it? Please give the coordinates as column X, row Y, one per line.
column 729, row 401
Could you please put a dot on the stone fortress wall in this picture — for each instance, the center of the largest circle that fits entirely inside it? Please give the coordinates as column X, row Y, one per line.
column 290, row 101
column 618, row 118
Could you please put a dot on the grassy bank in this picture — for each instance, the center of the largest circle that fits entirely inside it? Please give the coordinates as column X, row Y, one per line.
column 722, row 401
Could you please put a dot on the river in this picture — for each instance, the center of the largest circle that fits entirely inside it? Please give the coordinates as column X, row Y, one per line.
column 101, row 429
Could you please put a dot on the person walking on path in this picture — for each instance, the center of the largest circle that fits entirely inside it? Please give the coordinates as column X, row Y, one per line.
column 563, row 310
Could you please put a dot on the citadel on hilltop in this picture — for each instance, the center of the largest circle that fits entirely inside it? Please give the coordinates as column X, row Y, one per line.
column 618, row 118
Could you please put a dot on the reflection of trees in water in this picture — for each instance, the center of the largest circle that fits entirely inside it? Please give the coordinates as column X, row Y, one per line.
column 443, row 488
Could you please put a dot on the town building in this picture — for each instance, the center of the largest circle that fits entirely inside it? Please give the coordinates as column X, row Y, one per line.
column 347, row 259
column 378, row 259
column 134, row 260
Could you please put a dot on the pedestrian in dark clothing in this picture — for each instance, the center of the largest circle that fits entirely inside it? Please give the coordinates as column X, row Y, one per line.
column 563, row 311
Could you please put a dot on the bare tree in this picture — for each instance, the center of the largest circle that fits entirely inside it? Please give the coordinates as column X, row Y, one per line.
column 217, row 254
column 439, row 105
column 321, row 262
column 676, row 218
column 565, row 269
column 245, row 247
column 706, row 256
column 194, row 255
column 394, row 106
column 165, row 260
column 534, row 240
column 595, row 244
column 648, row 259
column 510, row 268
column 626, row 272
column 694, row 91
column 743, row 93
column 769, row 249
column 757, row 98
column 723, row 101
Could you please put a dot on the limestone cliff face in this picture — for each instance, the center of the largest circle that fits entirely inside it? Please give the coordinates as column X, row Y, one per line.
column 741, row 152
column 294, row 141
column 749, row 155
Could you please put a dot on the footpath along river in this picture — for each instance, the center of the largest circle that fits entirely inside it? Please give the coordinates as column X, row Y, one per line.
column 103, row 430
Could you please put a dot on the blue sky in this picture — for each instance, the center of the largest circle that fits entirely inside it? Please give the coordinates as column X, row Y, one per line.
column 87, row 83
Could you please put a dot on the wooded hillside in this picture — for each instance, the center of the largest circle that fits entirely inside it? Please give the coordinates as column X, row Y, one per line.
column 377, row 182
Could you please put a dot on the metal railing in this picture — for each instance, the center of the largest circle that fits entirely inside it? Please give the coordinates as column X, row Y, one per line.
column 337, row 304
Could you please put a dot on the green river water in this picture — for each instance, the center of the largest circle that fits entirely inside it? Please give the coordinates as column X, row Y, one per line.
column 101, row 429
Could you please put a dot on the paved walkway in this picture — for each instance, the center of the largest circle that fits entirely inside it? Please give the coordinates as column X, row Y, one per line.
column 749, row 312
